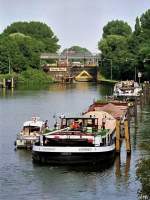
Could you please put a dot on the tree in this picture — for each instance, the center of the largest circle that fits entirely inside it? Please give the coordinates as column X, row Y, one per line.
column 22, row 43
column 117, row 27
column 144, row 54
column 114, row 48
column 77, row 49
column 143, row 44
column 137, row 30
column 145, row 20
column 37, row 30
column 10, row 55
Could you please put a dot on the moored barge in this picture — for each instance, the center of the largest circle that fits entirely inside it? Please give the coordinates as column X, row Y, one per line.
column 79, row 140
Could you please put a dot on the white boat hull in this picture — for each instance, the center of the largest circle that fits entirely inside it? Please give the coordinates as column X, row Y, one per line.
column 26, row 142
column 73, row 155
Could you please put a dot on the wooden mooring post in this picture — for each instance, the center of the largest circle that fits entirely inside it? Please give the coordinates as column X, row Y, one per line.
column 4, row 83
column 12, row 82
column 118, row 135
column 7, row 83
column 127, row 136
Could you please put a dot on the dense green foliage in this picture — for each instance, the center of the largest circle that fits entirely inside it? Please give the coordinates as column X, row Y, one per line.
column 34, row 75
column 21, row 44
column 29, row 75
column 37, row 30
column 77, row 49
column 117, row 28
column 127, row 51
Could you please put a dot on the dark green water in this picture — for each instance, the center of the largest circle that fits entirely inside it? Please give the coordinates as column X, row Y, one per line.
column 20, row 179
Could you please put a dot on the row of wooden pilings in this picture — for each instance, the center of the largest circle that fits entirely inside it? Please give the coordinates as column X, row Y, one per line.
column 126, row 136
column 143, row 99
column 7, row 83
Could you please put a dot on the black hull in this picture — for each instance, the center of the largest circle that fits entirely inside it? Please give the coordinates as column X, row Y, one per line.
column 73, row 158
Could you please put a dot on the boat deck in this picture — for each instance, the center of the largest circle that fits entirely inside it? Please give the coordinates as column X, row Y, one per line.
column 116, row 109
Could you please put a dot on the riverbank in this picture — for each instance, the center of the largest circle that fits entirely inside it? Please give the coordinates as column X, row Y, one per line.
column 29, row 76
column 106, row 81
column 102, row 80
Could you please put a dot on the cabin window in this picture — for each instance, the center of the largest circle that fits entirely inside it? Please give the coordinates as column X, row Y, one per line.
column 31, row 129
column 63, row 123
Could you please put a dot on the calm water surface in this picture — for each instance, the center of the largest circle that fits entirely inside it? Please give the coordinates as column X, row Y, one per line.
column 20, row 179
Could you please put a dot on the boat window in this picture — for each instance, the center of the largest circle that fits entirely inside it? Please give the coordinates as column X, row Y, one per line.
column 31, row 129
column 80, row 123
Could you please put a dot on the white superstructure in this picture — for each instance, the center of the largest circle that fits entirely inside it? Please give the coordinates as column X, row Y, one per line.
column 127, row 89
column 30, row 132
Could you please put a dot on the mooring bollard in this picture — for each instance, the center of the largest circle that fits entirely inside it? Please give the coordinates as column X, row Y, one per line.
column 129, row 114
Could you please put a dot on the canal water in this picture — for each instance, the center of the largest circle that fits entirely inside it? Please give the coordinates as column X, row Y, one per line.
column 21, row 179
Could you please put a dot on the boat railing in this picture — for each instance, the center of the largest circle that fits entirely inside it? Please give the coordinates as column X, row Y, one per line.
column 108, row 136
column 77, row 132
column 55, row 131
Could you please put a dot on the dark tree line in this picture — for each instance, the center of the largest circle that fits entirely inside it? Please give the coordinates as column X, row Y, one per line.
column 126, row 52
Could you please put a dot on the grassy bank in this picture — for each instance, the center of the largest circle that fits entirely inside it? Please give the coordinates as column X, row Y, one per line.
column 30, row 75
column 103, row 80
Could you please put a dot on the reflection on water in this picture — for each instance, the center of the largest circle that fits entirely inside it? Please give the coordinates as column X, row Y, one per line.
column 4, row 92
column 119, row 170
column 82, row 168
column 106, row 90
column 103, row 90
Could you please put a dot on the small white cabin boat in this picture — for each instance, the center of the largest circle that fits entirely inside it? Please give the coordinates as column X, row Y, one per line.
column 81, row 140
column 127, row 88
column 30, row 132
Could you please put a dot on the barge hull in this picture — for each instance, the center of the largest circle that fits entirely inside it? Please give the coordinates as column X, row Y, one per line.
column 55, row 158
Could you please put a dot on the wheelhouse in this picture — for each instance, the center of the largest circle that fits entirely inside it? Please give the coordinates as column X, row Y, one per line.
column 87, row 124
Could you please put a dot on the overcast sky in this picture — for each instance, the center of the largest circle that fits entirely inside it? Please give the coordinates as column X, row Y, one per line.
column 75, row 22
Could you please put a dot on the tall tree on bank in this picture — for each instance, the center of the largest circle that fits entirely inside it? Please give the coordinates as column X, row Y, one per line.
column 21, row 44
column 117, row 27
column 114, row 48
column 137, row 30
column 144, row 52
column 37, row 30
column 139, row 44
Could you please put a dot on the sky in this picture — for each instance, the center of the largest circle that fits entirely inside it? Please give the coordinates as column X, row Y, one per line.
column 74, row 22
